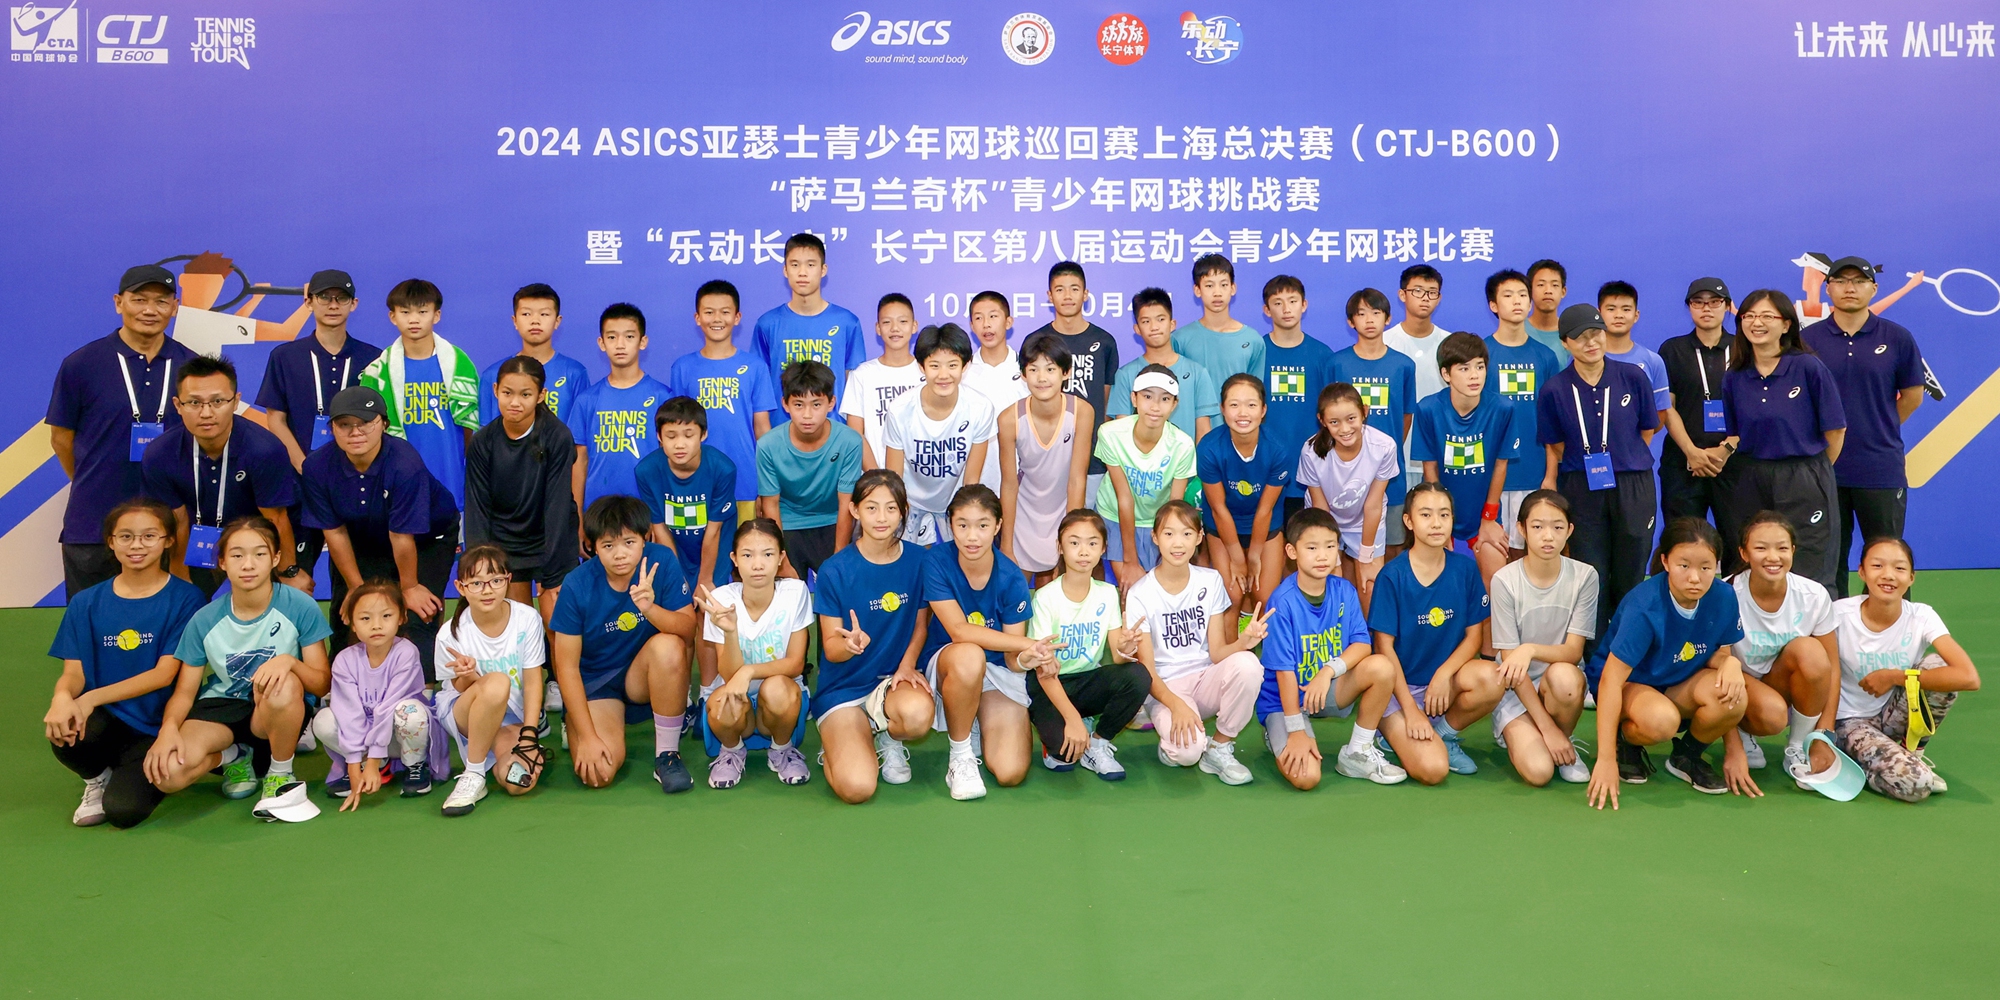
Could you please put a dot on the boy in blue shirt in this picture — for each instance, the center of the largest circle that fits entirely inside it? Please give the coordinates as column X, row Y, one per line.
column 1465, row 439
column 613, row 418
column 690, row 488
column 1200, row 403
column 431, row 386
column 1217, row 341
column 1517, row 368
column 1317, row 662
column 733, row 388
column 808, row 328
column 1299, row 367
column 537, row 314
column 1618, row 304
column 805, row 467
column 1387, row 382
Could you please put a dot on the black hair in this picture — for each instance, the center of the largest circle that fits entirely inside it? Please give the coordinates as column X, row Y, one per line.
column 142, row 505
column 412, row 292
column 1501, row 277
column 1152, row 297
column 1047, row 346
column 1549, row 497
column 1764, row 517
column 1424, row 271
column 256, row 523
column 717, row 286
column 948, row 337
column 883, row 479
column 1213, row 263
column 1067, row 267
column 521, row 364
column 760, row 526
column 680, row 410
column 1322, row 440
column 1870, row 544
column 1283, row 283
column 385, row 589
column 1789, row 341
column 806, row 241
column 1245, row 378
column 975, row 495
column 1460, row 348
column 1616, row 290
column 990, row 296
column 1370, row 297
column 894, row 299
column 1428, row 486
column 537, row 290
column 1307, row 519
column 805, row 378
column 1181, row 510
column 621, row 310
column 611, row 516
column 1081, row 515
column 1545, row 264
column 488, row 557
column 203, row 366
column 1686, row 531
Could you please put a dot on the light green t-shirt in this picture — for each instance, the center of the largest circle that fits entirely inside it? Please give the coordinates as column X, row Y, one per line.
column 1085, row 628
column 1150, row 474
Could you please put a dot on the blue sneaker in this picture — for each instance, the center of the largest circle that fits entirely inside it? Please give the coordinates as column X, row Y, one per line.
column 1455, row 755
column 339, row 788
column 1382, row 744
column 671, row 773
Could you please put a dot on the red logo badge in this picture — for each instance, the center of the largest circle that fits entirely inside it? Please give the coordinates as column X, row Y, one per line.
column 1122, row 39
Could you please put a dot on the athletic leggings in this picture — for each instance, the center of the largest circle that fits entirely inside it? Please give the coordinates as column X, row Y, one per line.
column 109, row 743
column 1113, row 693
column 1876, row 743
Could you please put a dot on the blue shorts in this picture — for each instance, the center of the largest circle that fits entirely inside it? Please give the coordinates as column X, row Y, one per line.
column 611, row 687
column 756, row 740
column 1148, row 554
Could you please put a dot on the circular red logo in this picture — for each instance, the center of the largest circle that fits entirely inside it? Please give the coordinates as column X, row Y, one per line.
column 1122, row 39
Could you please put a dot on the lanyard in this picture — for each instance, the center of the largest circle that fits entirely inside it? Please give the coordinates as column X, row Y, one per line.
column 132, row 395
column 346, row 367
column 1702, row 367
column 221, row 482
column 1604, row 434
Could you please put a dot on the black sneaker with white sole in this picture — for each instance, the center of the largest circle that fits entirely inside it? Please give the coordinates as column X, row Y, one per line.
column 1694, row 769
column 1634, row 766
column 671, row 773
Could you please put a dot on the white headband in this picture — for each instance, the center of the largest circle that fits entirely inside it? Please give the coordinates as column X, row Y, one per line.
column 1157, row 380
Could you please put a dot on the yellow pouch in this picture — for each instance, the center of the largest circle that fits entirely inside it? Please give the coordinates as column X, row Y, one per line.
column 1922, row 722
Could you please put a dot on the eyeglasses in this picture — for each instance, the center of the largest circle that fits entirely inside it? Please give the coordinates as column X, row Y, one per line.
column 1850, row 282
column 1421, row 294
column 484, row 584
column 208, row 405
column 149, row 539
column 1707, row 300
column 1761, row 317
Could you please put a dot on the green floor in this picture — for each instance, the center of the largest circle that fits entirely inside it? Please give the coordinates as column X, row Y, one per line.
column 1167, row 885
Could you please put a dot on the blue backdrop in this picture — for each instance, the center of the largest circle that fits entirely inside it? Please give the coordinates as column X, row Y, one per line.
column 630, row 151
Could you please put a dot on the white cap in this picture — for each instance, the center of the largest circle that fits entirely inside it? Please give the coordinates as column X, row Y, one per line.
column 1157, row 380
column 290, row 805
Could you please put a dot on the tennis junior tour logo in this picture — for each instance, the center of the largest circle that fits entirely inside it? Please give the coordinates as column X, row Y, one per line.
column 224, row 40
column 43, row 34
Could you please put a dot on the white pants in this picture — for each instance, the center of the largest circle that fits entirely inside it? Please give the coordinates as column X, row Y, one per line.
column 409, row 735
column 1226, row 691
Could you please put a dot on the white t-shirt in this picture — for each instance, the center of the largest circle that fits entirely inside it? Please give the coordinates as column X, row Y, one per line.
column 1527, row 615
column 1862, row 652
column 1346, row 486
column 871, row 387
column 1178, row 623
column 935, row 451
column 765, row 639
column 1002, row 386
column 1807, row 610
column 520, row 646
column 1423, row 351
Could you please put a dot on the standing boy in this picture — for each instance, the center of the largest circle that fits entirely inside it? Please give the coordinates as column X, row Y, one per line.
column 1299, row 366
column 1217, row 341
column 1517, row 369
column 432, row 387
column 1695, row 477
column 805, row 469
column 1093, row 353
column 995, row 370
column 937, row 437
column 1387, row 382
column 1618, row 307
column 734, row 388
column 690, row 488
column 537, row 314
column 808, row 328
column 1200, row 401
column 877, row 382
column 1417, row 338
column 1465, row 439
column 613, row 419
column 1548, row 282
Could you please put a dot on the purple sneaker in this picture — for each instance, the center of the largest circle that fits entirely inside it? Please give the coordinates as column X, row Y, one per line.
column 727, row 769
column 790, row 765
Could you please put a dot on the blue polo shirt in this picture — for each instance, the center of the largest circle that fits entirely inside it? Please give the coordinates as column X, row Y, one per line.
column 1622, row 387
column 687, row 506
column 90, row 399
column 1785, row 414
column 259, row 475
column 733, row 391
column 293, row 368
column 616, row 427
column 398, row 493
column 1655, row 369
column 612, row 629
column 1465, row 448
column 1427, row 623
column 118, row 638
column 832, row 338
column 1004, row 601
column 1880, row 360
column 1271, row 463
column 1388, row 387
column 1663, row 645
column 1295, row 378
column 1517, row 375
column 563, row 378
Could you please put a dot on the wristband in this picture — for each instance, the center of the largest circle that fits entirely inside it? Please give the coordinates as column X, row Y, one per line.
column 1490, row 513
column 1339, row 667
column 1295, row 723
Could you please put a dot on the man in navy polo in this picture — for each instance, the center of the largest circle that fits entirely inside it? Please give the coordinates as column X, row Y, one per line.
column 386, row 517
column 1880, row 372
column 215, row 467
column 302, row 377
column 111, row 399
column 1597, row 418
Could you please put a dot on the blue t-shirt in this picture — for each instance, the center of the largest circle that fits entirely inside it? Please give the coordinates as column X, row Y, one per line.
column 1216, row 460
column 118, row 638
column 429, row 426
column 1655, row 369
column 397, row 494
column 832, row 338
column 733, row 391
column 1663, row 646
column 1428, row 623
column 1388, row 385
column 809, row 485
column 616, row 427
column 1304, row 637
column 1005, row 601
column 232, row 649
column 90, row 398
column 1518, row 375
column 688, row 506
column 611, row 626
column 1465, row 448
column 564, row 378
column 885, row 600
column 1296, row 375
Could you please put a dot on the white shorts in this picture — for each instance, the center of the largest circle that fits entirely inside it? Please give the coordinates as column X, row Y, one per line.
column 859, row 704
column 925, row 528
column 447, row 697
column 1510, row 707
column 1416, row 695
column 1013, row 685
column 1510, row 517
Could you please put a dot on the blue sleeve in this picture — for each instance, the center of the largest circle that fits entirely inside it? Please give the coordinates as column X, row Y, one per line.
column 1384, row 612
column 1280, row 463
column 1207, row 401
column 721, row 487
column 1730, row 628
column 66, row 403
column 826, row 592
column 582, row 414
column 649, row 476
column 1406, row 373
column 1909, row 363
column 1729, row 427
column 187, row 603
column 767, row 470
column 1633, row 642
column 190, row 649
column 854, row 351
column 1260, row 363
column 1353, row 624
column 1503, row 421
column 760, row 341
column 489, row 407
column 938, row 576
column 1826, row 398
column 1422, row 447
column 567, row 618
column 1280, row 651
column 1548, row 417
column 73, row 638
column 1118, row 402
column 1656, row 373
column 304, row 614
column 670, row 586
column 1478, row 607
column 763, row 398
column 1208, row 460
column 850, row 466
column 409, row 500
column 272, row 394
column 1016, row 604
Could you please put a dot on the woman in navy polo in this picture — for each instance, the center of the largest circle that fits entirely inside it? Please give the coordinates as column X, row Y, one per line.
column 1784, row 417
column 385, row 516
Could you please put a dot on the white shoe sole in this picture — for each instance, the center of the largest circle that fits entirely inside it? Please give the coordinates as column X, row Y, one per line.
column 1678, row 773
column 1244, row 779
column 1379, row 777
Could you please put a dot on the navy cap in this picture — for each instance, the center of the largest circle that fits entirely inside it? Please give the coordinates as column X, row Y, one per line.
column 146, row 274
column 323, row 281
column 1713, row 286
column 1858, row 263
column 1578, row 318
column 357, row 401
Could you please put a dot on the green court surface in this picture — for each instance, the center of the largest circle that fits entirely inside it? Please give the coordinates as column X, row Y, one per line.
column 1167, row 885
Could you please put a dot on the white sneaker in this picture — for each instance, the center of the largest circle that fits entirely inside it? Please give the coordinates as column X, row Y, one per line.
column 1100, row 756
column 1938, row 787
column 1220, row 760
column 961, row 775
column 552, row 697
column 1165, row 761
column 1798, row 764
column 1575, row 772
column 895, row 759
column 307, row 741
column 1753, row 752
column 465, row 794
column 1367, row 762
column 1589, row 699
column 977, row 746
column 90, row 811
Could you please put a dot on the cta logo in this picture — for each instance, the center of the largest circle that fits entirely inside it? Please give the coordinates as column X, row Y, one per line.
column 224, row 40
column 132, row 39
column 43, row 34
column 1029, row 39
column 1122, row 39
column 1216, row 40
column 889, row 32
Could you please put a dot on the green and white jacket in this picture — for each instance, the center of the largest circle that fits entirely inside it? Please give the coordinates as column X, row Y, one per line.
column 461, row 377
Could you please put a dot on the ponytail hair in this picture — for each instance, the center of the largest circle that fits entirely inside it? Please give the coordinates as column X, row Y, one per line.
column 479, row 559
column 1338, row 392
column 887, row 479
column 1686, row 531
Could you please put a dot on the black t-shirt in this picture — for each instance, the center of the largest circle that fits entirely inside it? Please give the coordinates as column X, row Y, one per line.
column 517, row 494
column 1687, row 360
column 1093, row 363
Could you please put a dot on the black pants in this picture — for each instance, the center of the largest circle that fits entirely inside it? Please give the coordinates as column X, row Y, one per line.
column 1801, row 489
column 208, row 581
column 1879, row 513
column 1114, row 693
column 1707, row 497
column 86, row 566
column 307, row 543
column 435, row 555
column 1614, row 533
column 809, row 548
column 109, row 743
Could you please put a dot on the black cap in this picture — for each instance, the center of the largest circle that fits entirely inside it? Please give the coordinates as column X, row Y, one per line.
column 329, row 280
column 1713, row 286
column 146, row 274
column 357, row 401
column 1578, row 318
column 1858, row 263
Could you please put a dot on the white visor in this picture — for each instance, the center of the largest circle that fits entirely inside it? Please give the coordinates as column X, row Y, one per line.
column 1157, row 380
column 290, row 805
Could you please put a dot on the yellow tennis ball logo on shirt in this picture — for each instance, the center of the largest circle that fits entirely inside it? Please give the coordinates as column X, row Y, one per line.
column 128, row 640
column 1437, row 617
column 891, row 602
column 976, row 618
column 1687, row 652
column 627, row 622
column 1243, row 487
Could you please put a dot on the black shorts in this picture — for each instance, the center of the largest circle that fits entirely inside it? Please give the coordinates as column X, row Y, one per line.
column 809, row 548
column 231, row 712
column 611, row 687
column 549, row 579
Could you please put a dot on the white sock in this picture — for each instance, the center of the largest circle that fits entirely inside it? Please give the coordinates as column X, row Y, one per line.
column 738, row 745
column 1802, row 728
column 231, row 752
column 482, row 767
column 710, row 688
column 961, row 748
column 283, row 767
column 787, row 745
column 1361, row 737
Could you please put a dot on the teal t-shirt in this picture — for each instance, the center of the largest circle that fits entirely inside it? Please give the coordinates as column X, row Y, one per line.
column 809, row 484
column 232, row 649
column 1223, row 354
column 1201, row 395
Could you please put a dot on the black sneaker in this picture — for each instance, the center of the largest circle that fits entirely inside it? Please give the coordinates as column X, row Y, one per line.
column 416, row 780
column 671, row 773
column 1634, row 766
column 1690, row 766
column 339, row 787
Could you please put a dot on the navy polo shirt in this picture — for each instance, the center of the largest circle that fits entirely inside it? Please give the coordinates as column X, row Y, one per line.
column 398, row 493
column 1626, row 389
column 289, row 375
column 1870, row 367
column 1785, row 414
column 260, row 473
column 90, row 399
